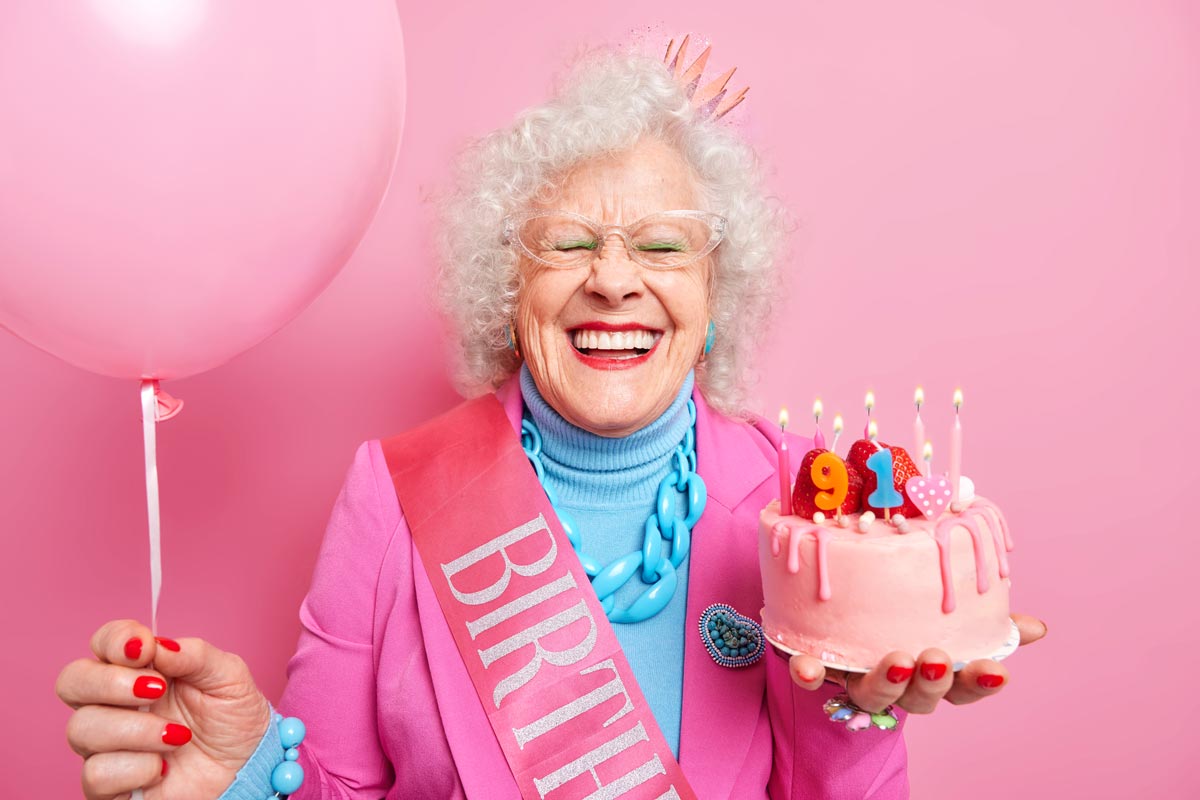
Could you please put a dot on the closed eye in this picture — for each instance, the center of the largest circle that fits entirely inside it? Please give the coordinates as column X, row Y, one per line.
column 669, row 247
column 581, row 244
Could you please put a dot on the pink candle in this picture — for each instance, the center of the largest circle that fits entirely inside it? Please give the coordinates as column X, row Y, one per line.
column 919, row 424
column 818, row 437
column 785, row 469
column 956, row 448
column 870, row 404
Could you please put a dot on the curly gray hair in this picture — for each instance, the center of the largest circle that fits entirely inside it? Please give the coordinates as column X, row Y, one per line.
column 607, row 102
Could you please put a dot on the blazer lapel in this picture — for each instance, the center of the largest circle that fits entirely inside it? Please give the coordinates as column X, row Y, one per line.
column 721, row 705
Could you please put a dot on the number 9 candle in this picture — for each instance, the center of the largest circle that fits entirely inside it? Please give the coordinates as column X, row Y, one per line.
column 829, row 474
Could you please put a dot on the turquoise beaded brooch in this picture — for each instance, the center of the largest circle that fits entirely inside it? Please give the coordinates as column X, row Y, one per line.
column 733, row 640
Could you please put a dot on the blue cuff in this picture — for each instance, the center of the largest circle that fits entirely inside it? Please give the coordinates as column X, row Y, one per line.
column 253, row 781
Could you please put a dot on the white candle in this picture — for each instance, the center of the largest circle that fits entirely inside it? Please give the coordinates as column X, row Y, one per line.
column 838, row 426
column 869, row 402
column 919, row 424
column 872, row 431
column 927, row 457
column 818, row 437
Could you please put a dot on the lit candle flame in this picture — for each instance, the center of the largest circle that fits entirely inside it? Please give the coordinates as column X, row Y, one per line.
column 783, row 418
column 957, row 400
column 927, row 451
column 818, row 409
column 872, row 431
column 838, row 423
column 919, row 398
column 870, row 401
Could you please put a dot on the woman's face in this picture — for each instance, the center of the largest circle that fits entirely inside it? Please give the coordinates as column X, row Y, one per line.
column 614, row 392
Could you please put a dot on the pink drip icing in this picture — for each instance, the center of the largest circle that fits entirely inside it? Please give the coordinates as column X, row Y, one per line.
column 778, row 530
column 941, row 535
column 823, row 537
column 982, row 584
column 999, row 535
column 793, row 564
column 1008, row 542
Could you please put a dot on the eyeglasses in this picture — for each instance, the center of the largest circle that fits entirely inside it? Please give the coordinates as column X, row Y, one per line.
column 664, row 241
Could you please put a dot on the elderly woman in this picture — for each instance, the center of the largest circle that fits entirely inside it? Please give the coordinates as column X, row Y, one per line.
column 602, row 257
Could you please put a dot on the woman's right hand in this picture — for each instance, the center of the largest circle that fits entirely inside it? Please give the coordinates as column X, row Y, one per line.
column 204, row 723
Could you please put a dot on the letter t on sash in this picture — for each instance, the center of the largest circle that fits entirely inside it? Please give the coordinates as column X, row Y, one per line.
column 589, row 761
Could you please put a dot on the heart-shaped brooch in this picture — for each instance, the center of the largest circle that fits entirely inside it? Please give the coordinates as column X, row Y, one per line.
column 733, row 640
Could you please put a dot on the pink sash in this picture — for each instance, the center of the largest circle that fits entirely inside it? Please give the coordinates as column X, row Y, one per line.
column 544, row 660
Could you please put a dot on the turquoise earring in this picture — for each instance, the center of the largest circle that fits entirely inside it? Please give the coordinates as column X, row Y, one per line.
column 710, row 337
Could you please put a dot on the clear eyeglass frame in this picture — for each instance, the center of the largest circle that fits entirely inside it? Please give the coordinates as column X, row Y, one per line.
column 513, row 225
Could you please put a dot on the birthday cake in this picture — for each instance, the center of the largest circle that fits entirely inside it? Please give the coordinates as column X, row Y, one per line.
column 858, row 570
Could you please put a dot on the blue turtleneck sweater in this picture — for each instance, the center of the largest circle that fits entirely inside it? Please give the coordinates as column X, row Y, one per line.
column 609, row 487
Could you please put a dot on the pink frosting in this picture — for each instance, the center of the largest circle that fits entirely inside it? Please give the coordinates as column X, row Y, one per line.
column 851, row 597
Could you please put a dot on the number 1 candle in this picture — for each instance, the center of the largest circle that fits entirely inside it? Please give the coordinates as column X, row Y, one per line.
column 785, row 468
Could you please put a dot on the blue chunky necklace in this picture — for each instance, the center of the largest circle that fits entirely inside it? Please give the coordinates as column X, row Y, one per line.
column 682, row 496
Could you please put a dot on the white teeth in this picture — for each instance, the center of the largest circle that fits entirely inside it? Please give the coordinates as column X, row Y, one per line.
column 614, row 340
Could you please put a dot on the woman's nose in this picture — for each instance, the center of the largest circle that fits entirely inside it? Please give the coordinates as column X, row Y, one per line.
column 615, row 277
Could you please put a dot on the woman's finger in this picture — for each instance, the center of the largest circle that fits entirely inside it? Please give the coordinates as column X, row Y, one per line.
column 1031, row 628
column 108, row 776
column 208, row 668
column 87, row 682
column 807, row 672
column 931, row 679
column 883, row 685
column 977, row 680
column 124, row 641
column 104, row 729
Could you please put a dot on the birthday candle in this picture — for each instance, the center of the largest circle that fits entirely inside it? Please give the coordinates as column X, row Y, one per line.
column 785, row 469
column 956, row 448
column 818, row 437
column 872, row 431
column 927, row 457
column 919, row 424
column 838, row 426
column 870, row 404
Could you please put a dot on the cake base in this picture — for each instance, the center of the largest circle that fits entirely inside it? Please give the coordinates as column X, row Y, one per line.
column 849, row 596
column 1007, row 649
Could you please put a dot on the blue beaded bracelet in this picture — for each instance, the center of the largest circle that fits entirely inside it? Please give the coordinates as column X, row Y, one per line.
column 288, row 774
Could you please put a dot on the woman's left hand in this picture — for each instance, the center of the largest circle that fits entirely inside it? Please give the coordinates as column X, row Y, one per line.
column 916, row 684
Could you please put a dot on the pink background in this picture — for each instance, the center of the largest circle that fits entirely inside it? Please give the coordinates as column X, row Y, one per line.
column 997, row 195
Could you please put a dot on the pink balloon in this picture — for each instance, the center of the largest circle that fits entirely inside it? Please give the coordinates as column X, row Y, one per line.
column 179, row 178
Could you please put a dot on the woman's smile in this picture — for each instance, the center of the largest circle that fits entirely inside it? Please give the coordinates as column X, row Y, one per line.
column 603, row 345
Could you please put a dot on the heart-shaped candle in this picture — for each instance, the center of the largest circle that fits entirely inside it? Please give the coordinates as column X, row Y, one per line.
column 930, row 495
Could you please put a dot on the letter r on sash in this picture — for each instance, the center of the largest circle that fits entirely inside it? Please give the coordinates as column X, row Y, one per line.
column 498, row 546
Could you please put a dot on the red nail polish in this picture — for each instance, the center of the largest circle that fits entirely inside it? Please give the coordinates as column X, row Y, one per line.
column 990, row 681
column 149, row 687
column 170, row 644
column 133, row 649
column 933, row 672
column 164, row 771
column 898, row 674
column 175, row 735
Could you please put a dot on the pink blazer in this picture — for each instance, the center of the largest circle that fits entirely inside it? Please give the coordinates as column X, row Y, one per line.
column 391, row 711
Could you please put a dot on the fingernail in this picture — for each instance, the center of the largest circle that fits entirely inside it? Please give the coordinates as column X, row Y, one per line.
column 164, row 771
column 898, row 674
column 133, row 649
column 990, row 681
column 933, row 672
column 175, row 735
column 1045, row 627
column 149, row 687
column 170, row 644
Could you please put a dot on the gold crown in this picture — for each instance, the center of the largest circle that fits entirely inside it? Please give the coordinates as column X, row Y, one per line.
column 711, row 100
